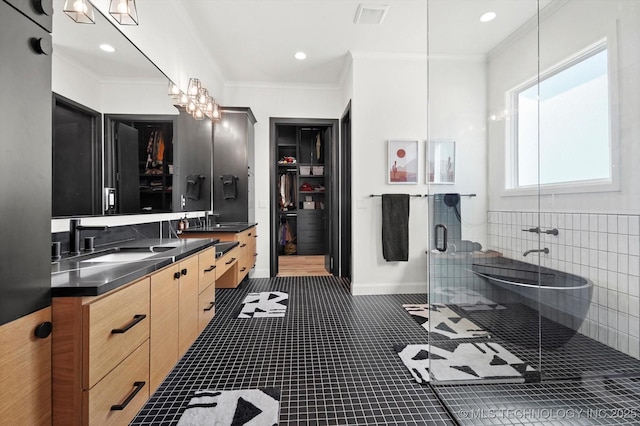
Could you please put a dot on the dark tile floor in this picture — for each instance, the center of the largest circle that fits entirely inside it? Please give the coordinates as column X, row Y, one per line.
column 332, row 358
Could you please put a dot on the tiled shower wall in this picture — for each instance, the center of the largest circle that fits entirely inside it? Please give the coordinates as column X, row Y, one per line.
column 604, row 248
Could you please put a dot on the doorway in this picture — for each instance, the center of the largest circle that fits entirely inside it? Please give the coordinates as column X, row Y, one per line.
column 305, row 212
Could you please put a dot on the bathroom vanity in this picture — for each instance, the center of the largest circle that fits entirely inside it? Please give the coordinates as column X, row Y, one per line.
column 234, row 266
column 123, row 318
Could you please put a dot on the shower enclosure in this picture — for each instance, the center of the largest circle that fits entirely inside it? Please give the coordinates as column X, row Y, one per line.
column 534, row 250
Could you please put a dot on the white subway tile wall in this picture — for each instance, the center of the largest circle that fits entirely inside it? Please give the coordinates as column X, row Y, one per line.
column 604, row 248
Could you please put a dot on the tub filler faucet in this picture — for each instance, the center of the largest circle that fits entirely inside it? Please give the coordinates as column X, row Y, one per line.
column 544, row 250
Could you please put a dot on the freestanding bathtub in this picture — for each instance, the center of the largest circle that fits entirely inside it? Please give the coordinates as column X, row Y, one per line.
column 562, row 298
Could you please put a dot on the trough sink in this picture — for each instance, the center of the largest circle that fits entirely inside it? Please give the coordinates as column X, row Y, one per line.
column 126, row 254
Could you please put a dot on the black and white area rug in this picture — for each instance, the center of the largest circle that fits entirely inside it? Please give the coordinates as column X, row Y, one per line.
column 443, row 320
column 468, row 361
column 465, row 298
column 267, row 304
column 254, row 407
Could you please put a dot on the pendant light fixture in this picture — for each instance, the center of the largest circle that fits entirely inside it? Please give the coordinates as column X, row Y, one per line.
column 194, row 88
column 124, row 11
column 215, row 115
column 191, row 106
column 174, row 90
column 203, row 97
column 80, row 11
column 196, row 100
column 183, row 100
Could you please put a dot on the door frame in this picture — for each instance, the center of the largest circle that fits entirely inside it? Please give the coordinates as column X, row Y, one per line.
column 110, row 156
column 273, row 175
column 345, row 193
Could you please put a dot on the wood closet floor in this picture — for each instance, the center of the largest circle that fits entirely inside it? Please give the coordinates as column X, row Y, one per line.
column 301, row 266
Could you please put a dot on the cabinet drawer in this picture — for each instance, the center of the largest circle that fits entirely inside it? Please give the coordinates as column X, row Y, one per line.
column 114, row 326
column 224, row 263
column 311, row 249
column 207, row 307
column 118, row 388
column 310, row 225
column 207, row 267
column 244, row 265
column 311, row 235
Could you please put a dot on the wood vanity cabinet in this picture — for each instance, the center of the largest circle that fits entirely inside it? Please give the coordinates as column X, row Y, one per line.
column 100, row 356
column 174, row 316
column 25, row 371
column 111, row 352
column 245, row 253
column 207, row 287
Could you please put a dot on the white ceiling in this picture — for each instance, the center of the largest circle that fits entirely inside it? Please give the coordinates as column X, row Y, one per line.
column 255, row 40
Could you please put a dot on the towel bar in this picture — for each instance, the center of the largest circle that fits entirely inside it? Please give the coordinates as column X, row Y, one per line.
column 415, row 195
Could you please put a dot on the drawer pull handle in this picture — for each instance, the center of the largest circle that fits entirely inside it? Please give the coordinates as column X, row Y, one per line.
column 210, row 268
column 233, row 259
column 184, row 271
column 211, row 305
column 43, row 330
column 244, row 268
column 136, row 319
column 242, row 245
column 176, row 275
column 138, row 387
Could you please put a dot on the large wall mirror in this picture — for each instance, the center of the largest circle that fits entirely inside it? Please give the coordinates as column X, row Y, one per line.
column 119, row 145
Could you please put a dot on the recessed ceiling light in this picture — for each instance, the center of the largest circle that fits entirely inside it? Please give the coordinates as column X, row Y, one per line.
column 300, row 56
column 107, row 48
column 489, row 16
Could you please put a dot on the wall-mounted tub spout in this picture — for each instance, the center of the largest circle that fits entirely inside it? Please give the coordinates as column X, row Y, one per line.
column 544, row 250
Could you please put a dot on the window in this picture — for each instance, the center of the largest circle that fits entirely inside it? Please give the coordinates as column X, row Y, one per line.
column 574, row 143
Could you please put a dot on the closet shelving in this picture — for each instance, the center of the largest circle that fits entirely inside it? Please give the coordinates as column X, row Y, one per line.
column 155, row 162
column 301, row 190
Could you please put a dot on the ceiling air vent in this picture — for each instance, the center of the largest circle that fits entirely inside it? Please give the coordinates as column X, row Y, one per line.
column 370, row 13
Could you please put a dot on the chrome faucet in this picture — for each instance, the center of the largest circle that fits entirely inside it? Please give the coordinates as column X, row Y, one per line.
column 544, row 250
column 74, row 234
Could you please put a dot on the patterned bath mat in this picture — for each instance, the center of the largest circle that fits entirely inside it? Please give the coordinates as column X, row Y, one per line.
column 468, row 361
column 444, row 321
column 254, row 407
column 461, row 296
column 480, row 307
column 268, row 304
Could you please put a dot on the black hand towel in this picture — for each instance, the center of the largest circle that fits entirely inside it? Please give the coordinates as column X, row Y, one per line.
column 395, row 227
column 194, row 182
column 229, row 187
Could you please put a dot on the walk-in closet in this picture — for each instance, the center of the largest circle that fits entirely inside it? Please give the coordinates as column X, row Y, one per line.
column 301, row 195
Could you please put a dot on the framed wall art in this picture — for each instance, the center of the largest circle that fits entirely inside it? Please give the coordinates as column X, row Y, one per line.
column 402, row 164
column 441, row 161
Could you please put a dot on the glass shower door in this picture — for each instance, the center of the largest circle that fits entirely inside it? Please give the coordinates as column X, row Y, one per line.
column 589, row 129
column 484, row 240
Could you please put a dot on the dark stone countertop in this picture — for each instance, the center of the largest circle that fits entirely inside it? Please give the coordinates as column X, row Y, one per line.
column 233, row 227
column 224, row 247
column 82, row 276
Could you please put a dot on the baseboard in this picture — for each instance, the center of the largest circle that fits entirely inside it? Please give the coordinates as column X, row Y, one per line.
column 259, row 273
column 388, row 288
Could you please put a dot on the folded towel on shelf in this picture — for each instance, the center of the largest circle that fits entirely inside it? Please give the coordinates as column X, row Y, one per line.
column 194, row 182
column 395, row 227
column 229, row 187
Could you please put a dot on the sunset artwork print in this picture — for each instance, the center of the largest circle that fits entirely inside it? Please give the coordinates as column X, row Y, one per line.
column 403, row 162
